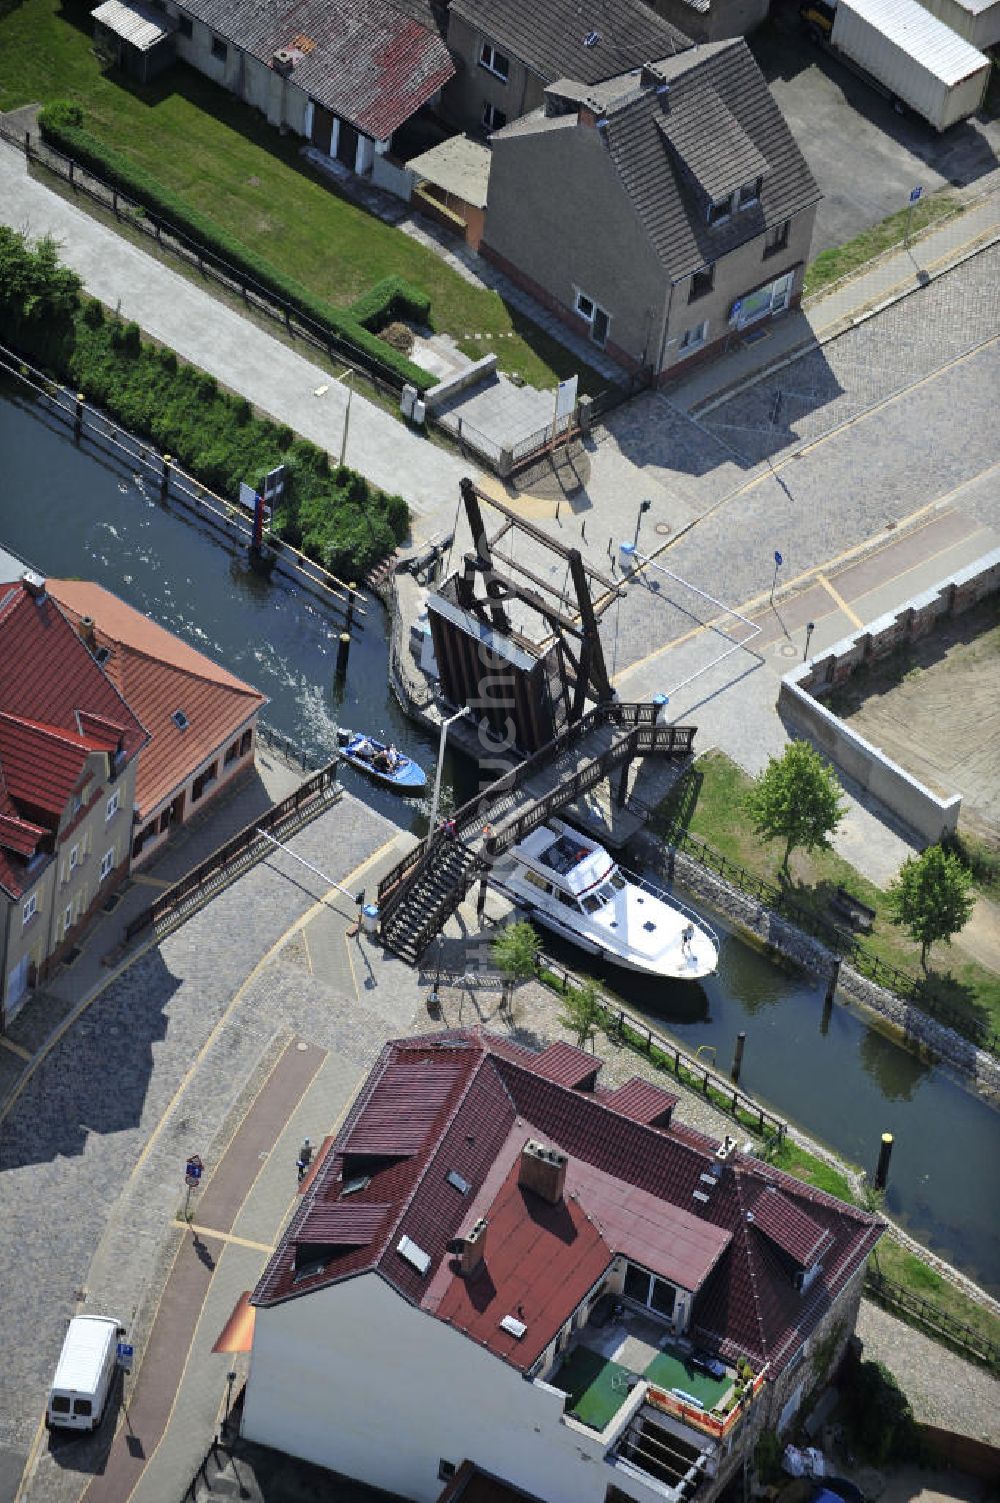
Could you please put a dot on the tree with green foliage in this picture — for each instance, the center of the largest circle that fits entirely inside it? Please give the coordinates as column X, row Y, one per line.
column 932, row 897
column 515, row 951
column 38, row 297
column 796, row 799
column 581, row 1012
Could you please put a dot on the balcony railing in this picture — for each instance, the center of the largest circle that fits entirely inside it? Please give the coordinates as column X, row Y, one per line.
column 717, row 1426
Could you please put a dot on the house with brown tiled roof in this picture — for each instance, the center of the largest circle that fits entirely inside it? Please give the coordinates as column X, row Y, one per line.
column 502, row 1268
column 201, row 719
column 69, row 753
column 664, row 213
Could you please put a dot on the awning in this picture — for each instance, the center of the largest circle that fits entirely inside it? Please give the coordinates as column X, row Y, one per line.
column 139, row 25
column 459, row 166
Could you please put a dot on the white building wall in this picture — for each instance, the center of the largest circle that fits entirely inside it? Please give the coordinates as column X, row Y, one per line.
column 356, row 1379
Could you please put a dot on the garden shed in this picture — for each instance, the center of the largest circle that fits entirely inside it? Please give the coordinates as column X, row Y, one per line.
column 138, row 39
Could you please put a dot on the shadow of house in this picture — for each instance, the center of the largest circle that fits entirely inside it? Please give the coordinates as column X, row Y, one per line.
column 103, row 1091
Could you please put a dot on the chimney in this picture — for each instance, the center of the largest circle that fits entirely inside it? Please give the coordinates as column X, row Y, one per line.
column 543, row 1170
column 34, row 584
column 283, row 61
column 85, row 628
column 472, row 1248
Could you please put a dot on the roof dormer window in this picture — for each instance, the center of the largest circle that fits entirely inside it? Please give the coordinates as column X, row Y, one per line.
column 719, row 210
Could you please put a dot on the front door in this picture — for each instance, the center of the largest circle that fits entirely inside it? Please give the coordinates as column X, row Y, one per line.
column 347, row 146
column 17, row 985
column 599, row 327
column 322, row 128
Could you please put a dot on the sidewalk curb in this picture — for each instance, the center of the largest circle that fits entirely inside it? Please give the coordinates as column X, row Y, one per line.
column 844, row 325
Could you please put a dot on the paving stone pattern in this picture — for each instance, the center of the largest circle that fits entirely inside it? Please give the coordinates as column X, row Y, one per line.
column 76, row 1132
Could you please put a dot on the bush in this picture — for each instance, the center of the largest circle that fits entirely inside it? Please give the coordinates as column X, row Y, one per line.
column 398, row 337
column 162, row 205
column 93, row 313
column 397, row 514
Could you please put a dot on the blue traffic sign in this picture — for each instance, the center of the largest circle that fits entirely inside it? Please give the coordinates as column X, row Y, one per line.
column 915, row 193
column 778, row 560
column 125, row 1354
column 193, row 1168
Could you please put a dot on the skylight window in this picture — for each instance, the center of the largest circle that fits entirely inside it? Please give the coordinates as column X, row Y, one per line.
column 513, row 1326
column 102, row 654
column 414, row 1255
column 592, row 38
column 457, row 1182
column 180, row 720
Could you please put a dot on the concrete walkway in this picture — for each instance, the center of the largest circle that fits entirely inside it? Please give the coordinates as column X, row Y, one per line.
column 213, row 336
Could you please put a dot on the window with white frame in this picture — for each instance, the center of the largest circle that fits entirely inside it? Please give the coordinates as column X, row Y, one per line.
column 493, row 119
column 107, row 865
column 74, row 858
column 694, row 337
column 30, row 909
column 67, row 923
column 112, row 807
column 494, row 62
column 597, row 317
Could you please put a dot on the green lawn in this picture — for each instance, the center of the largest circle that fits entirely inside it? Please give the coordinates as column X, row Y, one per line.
column 227, row 161
column 840, row 260
column 709, row 804
column 597, row 1388
column 892, row 1259
column 668, row 1371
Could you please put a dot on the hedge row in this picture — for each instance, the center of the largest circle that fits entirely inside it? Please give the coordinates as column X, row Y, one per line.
column 392, row 298
column 333, row 515
column 61, row 125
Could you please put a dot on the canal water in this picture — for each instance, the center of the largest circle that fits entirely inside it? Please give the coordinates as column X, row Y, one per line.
column 68, row 513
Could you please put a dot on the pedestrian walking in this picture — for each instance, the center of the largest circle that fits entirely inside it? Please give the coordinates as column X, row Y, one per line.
column 304, row 1159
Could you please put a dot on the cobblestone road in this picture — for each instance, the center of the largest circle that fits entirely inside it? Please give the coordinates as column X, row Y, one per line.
column 942, row 1389
column 76, row 1133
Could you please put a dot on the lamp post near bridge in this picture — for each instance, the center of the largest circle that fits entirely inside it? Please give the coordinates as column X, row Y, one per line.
column 440, row 764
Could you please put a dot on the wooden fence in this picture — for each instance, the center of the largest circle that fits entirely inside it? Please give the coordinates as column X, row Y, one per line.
column 931, row 1318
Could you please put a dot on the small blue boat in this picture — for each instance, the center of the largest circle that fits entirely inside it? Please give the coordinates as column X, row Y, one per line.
column 373, row 757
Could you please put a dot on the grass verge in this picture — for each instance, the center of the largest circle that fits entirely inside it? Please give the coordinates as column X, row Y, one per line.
column 709, row 804
column 841, row 260
column 224, row 160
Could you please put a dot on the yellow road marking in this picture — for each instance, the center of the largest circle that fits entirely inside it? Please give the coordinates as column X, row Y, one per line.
column 15, row 1049
column 839, row 600
column 229, row 1237
column 309, row 959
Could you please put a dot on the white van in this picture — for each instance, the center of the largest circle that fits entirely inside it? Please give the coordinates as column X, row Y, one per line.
column 84, row 1372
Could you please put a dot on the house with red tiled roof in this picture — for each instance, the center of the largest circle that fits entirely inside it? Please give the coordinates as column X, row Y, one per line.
column 502, row 1267
column 201, row 720
column 69, row 754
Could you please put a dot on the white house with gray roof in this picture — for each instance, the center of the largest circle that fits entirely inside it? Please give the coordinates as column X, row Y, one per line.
column 663, row 213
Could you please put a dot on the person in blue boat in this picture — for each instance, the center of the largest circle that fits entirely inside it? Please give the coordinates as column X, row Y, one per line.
column 364, row 749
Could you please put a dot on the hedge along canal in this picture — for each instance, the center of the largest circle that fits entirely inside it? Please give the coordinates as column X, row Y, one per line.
column 70, row 514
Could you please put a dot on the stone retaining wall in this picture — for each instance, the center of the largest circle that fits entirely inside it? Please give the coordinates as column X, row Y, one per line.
column 980, row 1068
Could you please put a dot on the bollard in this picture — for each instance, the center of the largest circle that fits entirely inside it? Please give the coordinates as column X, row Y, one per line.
column 165, row 477
column 78, row 418
column 884, row 1154
column 481, row 899
column 827, row 1014
column 741, row 1039
column 350, row 603
column 343, row 648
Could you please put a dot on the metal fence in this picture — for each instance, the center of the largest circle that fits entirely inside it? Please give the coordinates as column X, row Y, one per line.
column 917, row 1311
column 208, row 262
column 238, row 853
column 917, row 990
column 158, row 474
column 620, row 1023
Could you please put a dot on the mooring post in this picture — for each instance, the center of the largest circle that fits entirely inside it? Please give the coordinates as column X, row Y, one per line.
column 78, row 417
column 884, row 1155
column 343, row 648
column 350, row 603
column 741, row 1039
column 165, row 477
column 831, row 985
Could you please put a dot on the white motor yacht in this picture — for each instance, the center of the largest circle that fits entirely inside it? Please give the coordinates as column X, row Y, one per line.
column 570, row 884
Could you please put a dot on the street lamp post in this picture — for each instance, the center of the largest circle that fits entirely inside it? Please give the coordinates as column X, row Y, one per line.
column 643, row 507
column 810, row 628
column 230, row 1379
column 440, row 763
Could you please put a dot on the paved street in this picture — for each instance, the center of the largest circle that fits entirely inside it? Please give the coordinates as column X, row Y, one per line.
column 103, row 1103
column 219, row 340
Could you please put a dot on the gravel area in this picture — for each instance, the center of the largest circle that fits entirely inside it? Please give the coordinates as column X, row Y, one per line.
column 942, row 1389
